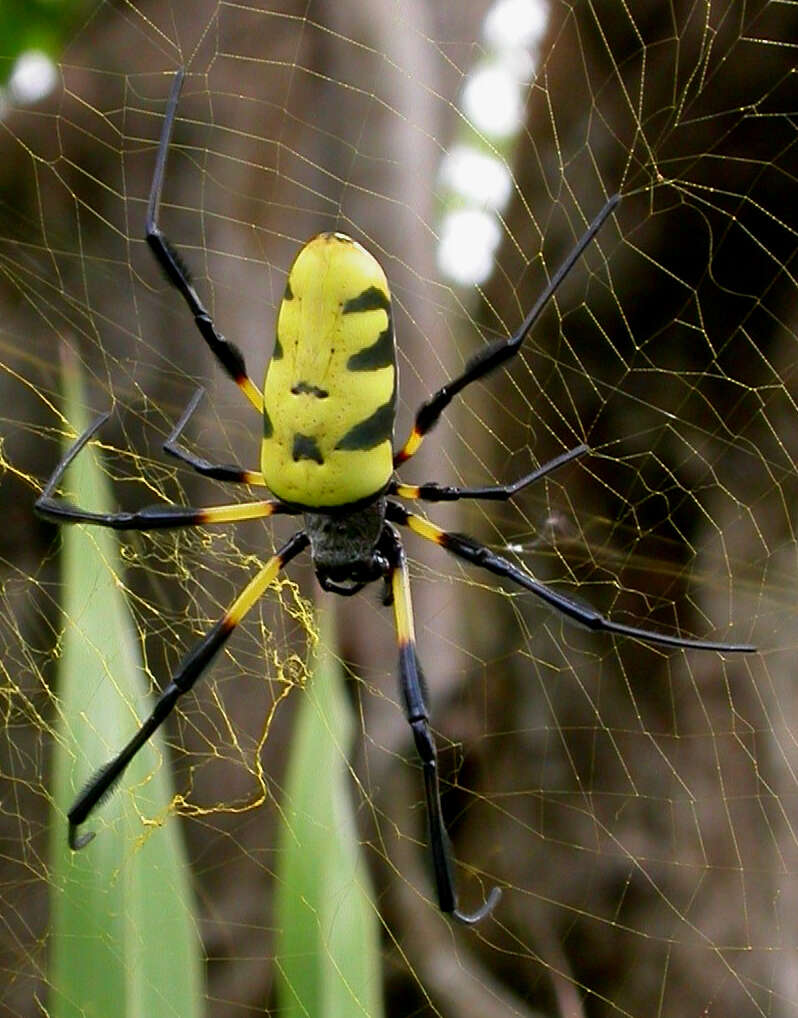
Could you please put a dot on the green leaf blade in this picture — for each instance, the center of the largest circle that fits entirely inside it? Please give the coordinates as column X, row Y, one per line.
column 328, row 942
column 123, row 939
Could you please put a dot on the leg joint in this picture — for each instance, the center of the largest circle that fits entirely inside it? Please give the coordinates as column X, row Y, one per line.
column 425, row 745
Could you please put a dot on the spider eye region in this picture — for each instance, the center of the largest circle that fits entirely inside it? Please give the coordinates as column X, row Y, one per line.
column 329, row 397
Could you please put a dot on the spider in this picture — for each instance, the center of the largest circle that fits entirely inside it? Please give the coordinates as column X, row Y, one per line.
column 328, row 407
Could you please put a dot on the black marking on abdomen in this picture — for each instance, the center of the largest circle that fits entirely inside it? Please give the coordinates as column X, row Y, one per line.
column 307, row 448
column 268, row 427
column 277, row 353
column 379, row 355
column 370, row 299
column 372, row 431
column 288, row 293
column 306, row 389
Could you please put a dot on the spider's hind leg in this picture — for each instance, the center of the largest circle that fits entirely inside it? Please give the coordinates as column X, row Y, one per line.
column 162, row 516
column 227, row 353
column 434, row 492
column 219, row 472
column 492, row 356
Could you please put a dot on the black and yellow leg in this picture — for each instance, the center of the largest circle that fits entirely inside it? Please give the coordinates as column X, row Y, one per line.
column 480, row 555
column 433, row 492
column 414, row 700
column 220, row 472
column 152, row 517
column 191, row 668
column 228, row 355
column 495, row 354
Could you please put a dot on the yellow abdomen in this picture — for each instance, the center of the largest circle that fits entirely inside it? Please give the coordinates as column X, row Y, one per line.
column 330, row 390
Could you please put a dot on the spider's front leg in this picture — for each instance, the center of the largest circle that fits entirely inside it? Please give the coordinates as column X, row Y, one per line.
column 466, row 548
column 414, row 700
column 192, row 667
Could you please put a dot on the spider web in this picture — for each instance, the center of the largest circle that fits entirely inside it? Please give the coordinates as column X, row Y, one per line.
column 636, row 806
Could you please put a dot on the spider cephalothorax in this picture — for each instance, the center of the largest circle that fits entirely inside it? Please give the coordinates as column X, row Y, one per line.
column 328, row 408
column 345, row 547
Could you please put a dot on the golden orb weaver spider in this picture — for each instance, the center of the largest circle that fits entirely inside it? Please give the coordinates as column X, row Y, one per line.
column 328, row 407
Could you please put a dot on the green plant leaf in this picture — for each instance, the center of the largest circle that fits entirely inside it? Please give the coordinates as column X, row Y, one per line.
column 328, row 932
column 37, row 24
column 123, row 938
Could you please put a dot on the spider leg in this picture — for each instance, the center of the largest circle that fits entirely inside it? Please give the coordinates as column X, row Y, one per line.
column 496, row 353
column 227, row 353
column 478, row 554
column 433, row 492
column 220, row 472
column 414, row 699
column 153, row 517
column 191, row 668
